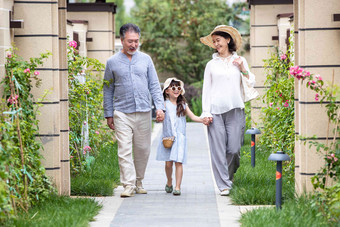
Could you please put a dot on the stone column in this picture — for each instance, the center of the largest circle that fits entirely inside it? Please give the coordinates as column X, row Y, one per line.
column 41, row 33
column 64, row 119
column 317, row 49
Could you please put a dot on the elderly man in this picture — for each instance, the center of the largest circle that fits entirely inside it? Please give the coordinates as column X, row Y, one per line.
column 130, row 77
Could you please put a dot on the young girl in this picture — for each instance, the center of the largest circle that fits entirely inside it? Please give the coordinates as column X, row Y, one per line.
column 174, row 124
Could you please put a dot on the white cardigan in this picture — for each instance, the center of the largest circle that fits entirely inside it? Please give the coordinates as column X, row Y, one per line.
column 222, row 85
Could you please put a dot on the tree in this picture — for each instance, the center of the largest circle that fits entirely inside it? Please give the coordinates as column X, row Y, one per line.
column 171, row 30
column 121, row 17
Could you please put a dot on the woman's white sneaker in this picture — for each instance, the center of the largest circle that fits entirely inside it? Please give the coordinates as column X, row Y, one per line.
column 225, row 192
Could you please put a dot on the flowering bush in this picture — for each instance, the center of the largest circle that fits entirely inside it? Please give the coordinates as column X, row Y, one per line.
column 329, row 96
column 22, row 177
column 278, row 132
column 87, row 130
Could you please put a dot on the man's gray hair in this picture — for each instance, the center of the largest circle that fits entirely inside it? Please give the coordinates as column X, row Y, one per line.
column 128, row 28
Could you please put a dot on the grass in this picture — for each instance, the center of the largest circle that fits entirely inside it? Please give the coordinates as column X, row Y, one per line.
column 256, row 186
column 295, row 212
column 58, row 211
column 103, row 176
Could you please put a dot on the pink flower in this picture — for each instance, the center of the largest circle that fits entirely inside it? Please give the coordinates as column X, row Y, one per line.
column 85, row 123
column 278, row 108
column 307, row 73
column 36, row 73
column 286, row 104
column 86, row 148
column 317, row 97
column 280, row 95
column 296, row 72
column 9, row 55
column 72, row 44
column 283, row 57
column 13, row 100
column 97, row 132
column 318, row 77
column 71, row 156
column 27, row 70
column 270, row 104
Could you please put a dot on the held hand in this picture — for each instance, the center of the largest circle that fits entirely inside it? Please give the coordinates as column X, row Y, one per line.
column 207, row 120
column 110, row 123
column 159, row 115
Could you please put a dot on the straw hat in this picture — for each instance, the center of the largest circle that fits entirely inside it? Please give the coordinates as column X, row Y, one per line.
column 168, row 82
column 233, row 32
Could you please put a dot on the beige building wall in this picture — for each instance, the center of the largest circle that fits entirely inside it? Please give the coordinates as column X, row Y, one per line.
column 264, row 33
column 100, row 28
column 317, row 49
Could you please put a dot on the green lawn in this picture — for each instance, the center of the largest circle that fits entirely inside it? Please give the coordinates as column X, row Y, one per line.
column 295, row 212
column 256, row 186
column 103, row 176
column 58, row 211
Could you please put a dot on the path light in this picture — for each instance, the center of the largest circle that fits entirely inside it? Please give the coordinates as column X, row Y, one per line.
column 279, row 157
column 253, row 132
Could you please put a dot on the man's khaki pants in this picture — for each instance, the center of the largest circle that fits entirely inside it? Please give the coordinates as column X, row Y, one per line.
column 133, row 130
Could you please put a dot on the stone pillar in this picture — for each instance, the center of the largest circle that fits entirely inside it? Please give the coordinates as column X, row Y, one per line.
column 263, row 39
column 64, row 119
column 41, row 33
column 317, row 50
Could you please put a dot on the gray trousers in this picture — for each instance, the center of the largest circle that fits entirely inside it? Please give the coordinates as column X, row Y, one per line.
column 225, row 136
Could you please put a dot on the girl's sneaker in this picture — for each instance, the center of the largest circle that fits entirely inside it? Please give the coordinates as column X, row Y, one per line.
column 177, row 192
column 168, row 189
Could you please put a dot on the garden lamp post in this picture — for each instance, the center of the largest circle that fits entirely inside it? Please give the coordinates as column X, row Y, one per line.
column 278, row 157
column 253, row 132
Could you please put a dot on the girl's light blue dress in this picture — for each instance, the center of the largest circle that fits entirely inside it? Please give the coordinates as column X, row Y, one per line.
column 173, row 126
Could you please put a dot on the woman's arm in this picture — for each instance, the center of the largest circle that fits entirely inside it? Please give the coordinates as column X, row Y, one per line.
column 206, row 92
column 192, row 116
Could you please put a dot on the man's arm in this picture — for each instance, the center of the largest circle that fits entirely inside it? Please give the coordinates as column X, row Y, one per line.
column 110, row 123
column 156, row 92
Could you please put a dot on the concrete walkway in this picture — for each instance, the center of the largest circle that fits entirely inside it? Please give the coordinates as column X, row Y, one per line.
column 199, row 205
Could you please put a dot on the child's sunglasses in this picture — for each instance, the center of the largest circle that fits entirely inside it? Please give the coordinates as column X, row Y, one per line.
column 174, row 88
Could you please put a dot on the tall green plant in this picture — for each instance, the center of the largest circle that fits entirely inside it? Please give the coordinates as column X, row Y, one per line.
column 85, row 108
column 278, row 132
column 23, row 179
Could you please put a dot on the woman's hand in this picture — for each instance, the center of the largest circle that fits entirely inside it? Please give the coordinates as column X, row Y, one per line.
column 239, row 63
column 207, row 120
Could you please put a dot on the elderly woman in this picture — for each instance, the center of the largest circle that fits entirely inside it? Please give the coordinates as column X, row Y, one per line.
column 223, row 103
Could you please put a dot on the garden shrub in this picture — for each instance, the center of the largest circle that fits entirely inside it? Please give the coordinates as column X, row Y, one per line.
column 87, row 129
column 278, row 133
column 23, row 180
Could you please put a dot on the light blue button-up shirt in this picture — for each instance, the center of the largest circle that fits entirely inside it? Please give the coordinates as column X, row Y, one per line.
column 129, row 84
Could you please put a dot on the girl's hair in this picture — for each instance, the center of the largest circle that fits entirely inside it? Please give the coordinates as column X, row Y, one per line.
column 231, row 45
column 181, row 101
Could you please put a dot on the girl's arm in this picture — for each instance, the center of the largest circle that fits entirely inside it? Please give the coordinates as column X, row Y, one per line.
column 192, row 116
